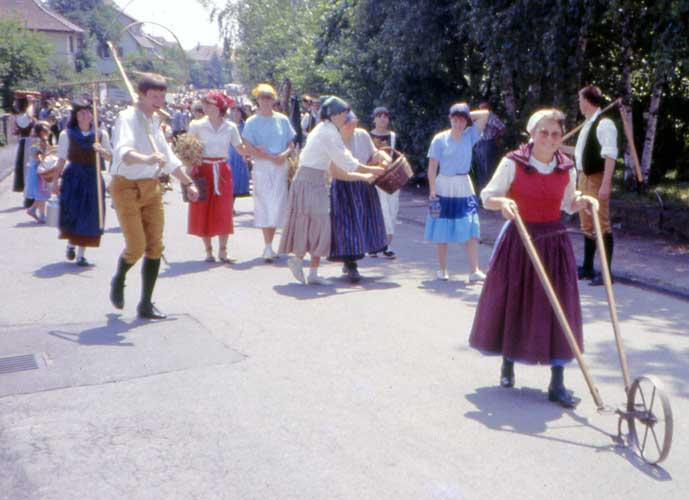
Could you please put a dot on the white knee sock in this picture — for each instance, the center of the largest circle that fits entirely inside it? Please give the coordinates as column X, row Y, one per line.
column 80, row 252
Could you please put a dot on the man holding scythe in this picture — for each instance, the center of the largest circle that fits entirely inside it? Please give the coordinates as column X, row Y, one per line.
column 139, row 152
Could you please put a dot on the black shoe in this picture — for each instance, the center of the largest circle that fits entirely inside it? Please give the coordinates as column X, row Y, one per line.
column 354, row 275
column 563, row 397
column 117, row 293
column 70, row 254
column 585, row 274
column 507, row 373
column 389, row 254
column 149, row 311
column 82, row 262
column 557, row 392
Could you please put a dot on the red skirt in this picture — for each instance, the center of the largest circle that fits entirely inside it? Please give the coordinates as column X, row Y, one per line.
column 213, row 216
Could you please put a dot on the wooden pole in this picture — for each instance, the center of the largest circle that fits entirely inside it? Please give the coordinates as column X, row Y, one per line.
column 555, row 303
column 99, row 187
column 612, row 306
column 616, row 102
column 630, row 140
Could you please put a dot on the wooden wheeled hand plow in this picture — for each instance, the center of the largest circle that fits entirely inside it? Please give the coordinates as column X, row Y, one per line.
column 647, row 413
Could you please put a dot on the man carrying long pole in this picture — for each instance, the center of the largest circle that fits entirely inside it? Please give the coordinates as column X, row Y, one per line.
column 139, row 150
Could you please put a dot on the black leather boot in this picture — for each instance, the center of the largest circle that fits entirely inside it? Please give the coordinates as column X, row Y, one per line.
column 149, row 275
column 586, row 271
column 117, row 284
column 609, row 244
column 507, row 373
column 557, row 392
column 352, row 271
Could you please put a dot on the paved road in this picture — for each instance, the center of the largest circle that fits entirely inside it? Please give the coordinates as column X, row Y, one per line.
column 261, row 388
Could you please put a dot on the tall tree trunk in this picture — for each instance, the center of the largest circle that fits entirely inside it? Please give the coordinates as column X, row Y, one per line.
column 651, row 124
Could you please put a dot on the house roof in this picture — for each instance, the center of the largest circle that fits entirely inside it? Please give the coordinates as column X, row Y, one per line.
column 36, row 16
column 204, row 53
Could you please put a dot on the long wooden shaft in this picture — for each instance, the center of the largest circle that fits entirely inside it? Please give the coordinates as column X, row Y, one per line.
column 132, row 94
column 569, row 134
column 99, row 187
column 629, row 134
column 555, row 303
column 605, row 271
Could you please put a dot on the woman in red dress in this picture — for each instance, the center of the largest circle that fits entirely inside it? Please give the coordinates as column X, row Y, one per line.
column 212, row 216
column 514, row 317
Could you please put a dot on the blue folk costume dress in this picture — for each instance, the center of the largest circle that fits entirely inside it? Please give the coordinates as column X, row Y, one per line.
column 79, row 193
column 240, row 170
column 458, row 220
column 356, row 215
column 36, row 187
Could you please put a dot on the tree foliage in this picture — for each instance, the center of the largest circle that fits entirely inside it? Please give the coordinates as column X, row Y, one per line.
column 417, row 57
column 23, row 57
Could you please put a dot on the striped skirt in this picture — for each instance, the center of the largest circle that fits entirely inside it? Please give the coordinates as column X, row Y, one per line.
column 357, row 220
column 458, row 220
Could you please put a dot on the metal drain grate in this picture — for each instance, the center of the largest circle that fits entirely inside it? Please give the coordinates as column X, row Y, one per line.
column 14, row 364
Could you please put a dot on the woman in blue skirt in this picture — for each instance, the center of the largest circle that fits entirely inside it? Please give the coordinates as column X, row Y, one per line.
column 449, row 183
column 79, row 223
column 238, row 164
column 356, row 217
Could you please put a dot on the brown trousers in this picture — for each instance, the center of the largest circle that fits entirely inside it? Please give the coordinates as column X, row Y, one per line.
column 589, row 185
column 139, row 207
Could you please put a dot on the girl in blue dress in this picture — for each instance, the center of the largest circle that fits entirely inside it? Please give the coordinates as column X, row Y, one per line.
column 239, row 166
column 449, row 183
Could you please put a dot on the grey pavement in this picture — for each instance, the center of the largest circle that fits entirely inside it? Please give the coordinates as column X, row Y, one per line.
column 258, row 387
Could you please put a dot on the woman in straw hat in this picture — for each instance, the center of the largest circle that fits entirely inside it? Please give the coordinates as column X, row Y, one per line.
column 269, row 137
column 513, row 317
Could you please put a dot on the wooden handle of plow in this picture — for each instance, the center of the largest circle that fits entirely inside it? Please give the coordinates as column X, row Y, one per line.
column 99, row 187
column 118, row 63
column 555, row 303
column 629, row 135
column 616, row 102
column 612, row 306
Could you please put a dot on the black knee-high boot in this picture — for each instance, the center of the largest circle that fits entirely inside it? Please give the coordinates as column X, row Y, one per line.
column 352, row 269
column 609, row 244
column 586, row 270
column 557, row 392
column 117, row 283
column 149, row 275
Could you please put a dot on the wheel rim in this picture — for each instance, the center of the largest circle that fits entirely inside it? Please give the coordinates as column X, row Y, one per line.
column 649, row 416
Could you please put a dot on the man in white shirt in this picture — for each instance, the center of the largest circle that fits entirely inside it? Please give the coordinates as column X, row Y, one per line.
column 595, row 154
column 140, row 151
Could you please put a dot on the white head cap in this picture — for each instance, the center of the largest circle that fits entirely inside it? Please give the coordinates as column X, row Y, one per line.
column 535, row 118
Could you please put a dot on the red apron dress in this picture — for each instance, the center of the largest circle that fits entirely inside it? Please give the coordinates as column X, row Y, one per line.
column 213, row 216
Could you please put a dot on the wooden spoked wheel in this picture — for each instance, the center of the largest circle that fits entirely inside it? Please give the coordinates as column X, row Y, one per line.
column 649, row 417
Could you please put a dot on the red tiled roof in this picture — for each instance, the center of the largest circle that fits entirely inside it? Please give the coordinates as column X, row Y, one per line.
column 36, row 16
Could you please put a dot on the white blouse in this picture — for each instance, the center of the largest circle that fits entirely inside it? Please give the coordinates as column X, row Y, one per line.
column 361, row 145
column 503, row 177
column 325, row 145
column 216, row 143
column 63, row 143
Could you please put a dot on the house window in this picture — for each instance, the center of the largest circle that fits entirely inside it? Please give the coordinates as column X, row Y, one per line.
column 104, row 51
column 71, row 44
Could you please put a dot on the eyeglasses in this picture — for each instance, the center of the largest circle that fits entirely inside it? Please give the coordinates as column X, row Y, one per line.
column 554, row 134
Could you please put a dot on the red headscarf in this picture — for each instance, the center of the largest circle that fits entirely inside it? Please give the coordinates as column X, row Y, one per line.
column 220, row 100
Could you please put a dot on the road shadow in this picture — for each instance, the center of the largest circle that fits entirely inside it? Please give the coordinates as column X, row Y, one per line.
column 58, row 269
column 114, row 230
column 245, row 265
column 11, row 210
column 528, row 412
column 173, row 269
column 340, row 285
column 29, row 223
column 451, row 288
column 112, row 333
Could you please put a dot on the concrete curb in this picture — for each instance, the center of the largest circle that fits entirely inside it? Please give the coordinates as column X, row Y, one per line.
column 623, row 278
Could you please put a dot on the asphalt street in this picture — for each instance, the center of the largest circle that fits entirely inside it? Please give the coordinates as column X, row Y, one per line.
column 258, row 387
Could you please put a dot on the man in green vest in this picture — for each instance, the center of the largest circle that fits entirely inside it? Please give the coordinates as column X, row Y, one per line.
column 595, row 154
